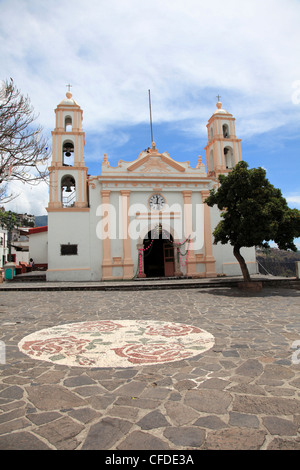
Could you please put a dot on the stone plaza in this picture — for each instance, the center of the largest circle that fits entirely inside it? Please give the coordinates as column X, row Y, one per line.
column 243, row 393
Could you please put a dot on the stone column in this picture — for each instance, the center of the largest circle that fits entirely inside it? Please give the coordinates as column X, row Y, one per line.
column 106, row 249
column 209, row 259
column 177, row 266
column 188, row 230
column 81, row 188
column 127, row 259
column 76, row 150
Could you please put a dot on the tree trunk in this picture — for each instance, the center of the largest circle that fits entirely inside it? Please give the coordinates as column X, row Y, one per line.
column 243, row 265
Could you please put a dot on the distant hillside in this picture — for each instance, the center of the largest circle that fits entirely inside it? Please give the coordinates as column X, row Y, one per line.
column 277, row 262
column 41, row 220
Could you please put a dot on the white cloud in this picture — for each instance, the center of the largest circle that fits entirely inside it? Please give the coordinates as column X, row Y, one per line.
column 293, row 201
column 184, row 51
column 31, row 199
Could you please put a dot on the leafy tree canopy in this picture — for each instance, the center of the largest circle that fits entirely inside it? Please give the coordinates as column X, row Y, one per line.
column 254, row 212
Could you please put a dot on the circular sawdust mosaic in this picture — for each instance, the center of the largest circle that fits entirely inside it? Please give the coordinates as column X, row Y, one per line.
column 124, row 343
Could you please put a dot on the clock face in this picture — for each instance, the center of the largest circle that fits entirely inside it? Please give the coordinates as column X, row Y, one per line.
column 156, row 202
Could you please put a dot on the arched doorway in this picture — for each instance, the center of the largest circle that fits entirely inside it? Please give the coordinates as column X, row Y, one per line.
column 158, row 254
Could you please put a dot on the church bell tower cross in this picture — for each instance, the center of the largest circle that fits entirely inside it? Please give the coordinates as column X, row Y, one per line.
column 223, row 150
column 68, row 173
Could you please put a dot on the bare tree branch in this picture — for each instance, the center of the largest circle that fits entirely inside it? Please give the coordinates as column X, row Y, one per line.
column 23, row 149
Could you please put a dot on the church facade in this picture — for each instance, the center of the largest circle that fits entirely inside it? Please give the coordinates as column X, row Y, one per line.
column 143, row 218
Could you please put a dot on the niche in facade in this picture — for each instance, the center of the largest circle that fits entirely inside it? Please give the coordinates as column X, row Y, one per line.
column 211, row 160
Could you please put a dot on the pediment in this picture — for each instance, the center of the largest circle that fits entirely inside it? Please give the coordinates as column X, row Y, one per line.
column 151, row 163
column 154, row 162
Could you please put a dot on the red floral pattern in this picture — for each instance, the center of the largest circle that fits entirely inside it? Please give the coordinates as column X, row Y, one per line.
column 68, row 345
column 124, row 343
column 172, row 329
column 86, row 361
column 101, row 326
column 152, row 353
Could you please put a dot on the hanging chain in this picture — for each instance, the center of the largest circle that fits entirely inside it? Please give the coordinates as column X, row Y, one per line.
column 148, row 250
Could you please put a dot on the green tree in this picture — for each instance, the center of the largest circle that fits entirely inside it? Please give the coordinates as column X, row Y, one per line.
column 254, row 212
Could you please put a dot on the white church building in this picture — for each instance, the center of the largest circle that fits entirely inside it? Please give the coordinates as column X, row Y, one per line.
column 143, row 218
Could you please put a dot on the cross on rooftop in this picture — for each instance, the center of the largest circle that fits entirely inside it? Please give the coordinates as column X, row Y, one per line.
column 69, row 86
column 218, row 96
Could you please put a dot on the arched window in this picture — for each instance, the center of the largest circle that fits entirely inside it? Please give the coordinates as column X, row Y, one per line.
column 68, row 153
column 68, row 191
column 68, row 124
column 229, row 160
column 211, row 133
column 211, row 160
column 225, row 131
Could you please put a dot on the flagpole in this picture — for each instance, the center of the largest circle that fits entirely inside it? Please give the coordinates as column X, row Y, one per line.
column 150, row 117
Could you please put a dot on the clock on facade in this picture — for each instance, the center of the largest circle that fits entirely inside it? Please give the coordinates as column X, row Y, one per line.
column 156, row 202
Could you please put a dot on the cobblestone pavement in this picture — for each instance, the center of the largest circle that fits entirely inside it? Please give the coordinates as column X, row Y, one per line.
column 241, row 394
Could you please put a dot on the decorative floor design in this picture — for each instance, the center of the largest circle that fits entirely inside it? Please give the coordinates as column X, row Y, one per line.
column 122, row 343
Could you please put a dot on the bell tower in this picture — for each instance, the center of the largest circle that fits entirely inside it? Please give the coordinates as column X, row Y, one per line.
column 223, row 150
column 68, row 173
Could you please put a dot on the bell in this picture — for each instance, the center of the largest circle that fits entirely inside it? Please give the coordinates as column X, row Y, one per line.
column 68, row 190
column 68, row 154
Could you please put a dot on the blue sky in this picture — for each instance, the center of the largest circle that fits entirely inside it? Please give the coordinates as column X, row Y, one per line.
column 186, row 52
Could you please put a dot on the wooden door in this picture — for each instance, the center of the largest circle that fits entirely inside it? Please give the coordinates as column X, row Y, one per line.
column 169, row 260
